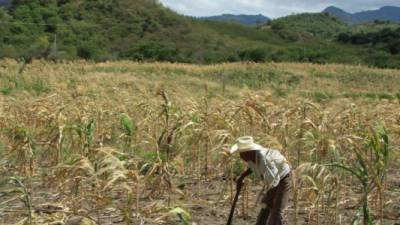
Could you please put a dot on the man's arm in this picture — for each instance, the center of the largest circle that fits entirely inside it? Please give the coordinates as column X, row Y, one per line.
column 271, row 175
column 240, row 180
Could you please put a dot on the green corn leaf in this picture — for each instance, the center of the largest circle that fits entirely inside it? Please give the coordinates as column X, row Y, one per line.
column 127, row 125
column 183, row 215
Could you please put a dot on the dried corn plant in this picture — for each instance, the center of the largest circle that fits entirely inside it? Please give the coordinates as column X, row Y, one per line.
column 92, row 182
column 146, row 143
column 318, row 187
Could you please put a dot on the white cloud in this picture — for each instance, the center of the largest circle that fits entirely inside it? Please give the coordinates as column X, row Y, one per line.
column 271, row 8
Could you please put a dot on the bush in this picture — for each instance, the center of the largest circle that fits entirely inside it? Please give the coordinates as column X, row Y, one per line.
column 254, row 55
column 233, row 58
column 380, row 59
column 394, row 48
column 152, row 51
column 277, row 26
column 344, row 37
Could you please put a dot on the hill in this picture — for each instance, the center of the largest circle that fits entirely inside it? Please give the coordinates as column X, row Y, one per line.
column 315, row 24
column 386, row 39
column 100, row 30
column 374, row 26
column 138, row 30
column 250, row 20
column 144, row 30
column 378, row 40
column 339, row 13
column 386, row 13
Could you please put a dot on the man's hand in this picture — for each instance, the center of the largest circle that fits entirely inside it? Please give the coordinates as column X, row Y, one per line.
column 239, row 182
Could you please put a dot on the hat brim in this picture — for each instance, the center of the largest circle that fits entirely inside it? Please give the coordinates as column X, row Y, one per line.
column 253, row 147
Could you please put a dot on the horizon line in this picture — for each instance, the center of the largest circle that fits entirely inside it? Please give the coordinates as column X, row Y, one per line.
column 269, row 17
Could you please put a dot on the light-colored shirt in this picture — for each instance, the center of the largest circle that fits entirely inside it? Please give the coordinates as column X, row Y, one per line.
column 271, row 166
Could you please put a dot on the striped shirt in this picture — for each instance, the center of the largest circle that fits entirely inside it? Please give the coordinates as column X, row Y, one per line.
column 271, row 166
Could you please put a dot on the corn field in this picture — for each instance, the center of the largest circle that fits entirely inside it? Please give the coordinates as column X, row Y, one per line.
column 131, row 143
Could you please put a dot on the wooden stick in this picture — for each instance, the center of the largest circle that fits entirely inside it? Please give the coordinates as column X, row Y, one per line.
column 234, row 205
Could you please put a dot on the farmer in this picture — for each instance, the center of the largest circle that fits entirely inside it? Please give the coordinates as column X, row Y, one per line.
column 272, row 168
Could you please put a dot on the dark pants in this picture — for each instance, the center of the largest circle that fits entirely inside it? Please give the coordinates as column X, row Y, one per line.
column 274, row 202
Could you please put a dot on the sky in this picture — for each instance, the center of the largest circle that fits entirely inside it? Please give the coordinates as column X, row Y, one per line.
column 270, row 8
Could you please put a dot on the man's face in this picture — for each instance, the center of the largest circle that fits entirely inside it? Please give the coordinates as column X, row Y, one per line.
column 248, row 156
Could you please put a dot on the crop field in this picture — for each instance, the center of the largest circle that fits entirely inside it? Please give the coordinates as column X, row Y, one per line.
column 145, row 143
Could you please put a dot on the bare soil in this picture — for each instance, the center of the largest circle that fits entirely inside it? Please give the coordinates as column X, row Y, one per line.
column 208, row 202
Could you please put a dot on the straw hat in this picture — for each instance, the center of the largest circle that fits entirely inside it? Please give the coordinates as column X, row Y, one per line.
column 244, row 144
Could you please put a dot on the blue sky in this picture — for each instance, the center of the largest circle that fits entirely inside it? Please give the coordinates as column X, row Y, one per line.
column 270, row 8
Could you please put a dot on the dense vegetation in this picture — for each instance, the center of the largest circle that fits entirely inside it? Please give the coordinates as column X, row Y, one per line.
column 387, row 40
column 315, row 24
column 145, row 30
column 92, row 29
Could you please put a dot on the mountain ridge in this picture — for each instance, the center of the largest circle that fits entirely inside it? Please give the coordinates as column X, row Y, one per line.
column 250, row 20
column 385, row 13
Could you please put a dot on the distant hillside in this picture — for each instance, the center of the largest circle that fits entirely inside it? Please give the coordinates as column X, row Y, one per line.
column 144, row 30
column 250, row 20
column 314, row 24
column 386, row 13
column 104, row 30
column 384, row 37
column 132, row 29
column 339, row 13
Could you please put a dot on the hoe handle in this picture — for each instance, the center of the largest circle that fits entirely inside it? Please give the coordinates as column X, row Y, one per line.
column 239, row 187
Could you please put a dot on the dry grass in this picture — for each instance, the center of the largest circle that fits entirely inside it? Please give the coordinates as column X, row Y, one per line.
column 131, row 142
